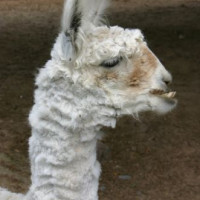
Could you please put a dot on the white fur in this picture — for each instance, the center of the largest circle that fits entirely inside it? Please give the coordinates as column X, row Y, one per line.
column 6, row 195
column 75, row 98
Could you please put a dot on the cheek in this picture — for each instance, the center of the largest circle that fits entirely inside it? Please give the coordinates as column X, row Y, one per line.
column 130, row 80
column 106, row 79
column 139, row 78
column 142, row 72
column 127, row 83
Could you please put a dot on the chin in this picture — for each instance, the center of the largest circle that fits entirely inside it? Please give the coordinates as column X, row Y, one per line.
column 162, row 105
column 157, row 103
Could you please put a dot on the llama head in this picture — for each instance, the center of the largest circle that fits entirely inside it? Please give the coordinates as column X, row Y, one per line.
column 112, row 60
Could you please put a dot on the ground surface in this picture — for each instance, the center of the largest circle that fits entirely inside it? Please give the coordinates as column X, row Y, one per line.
column 160, row 155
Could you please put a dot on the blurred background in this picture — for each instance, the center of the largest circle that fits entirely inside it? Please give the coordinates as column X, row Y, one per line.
column 156, row 158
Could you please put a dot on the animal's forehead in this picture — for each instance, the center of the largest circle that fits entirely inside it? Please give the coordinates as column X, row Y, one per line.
column 114, row 33
column 105, row 42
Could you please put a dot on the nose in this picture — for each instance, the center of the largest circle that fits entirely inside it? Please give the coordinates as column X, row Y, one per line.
column 167, row 81
column 166, row 76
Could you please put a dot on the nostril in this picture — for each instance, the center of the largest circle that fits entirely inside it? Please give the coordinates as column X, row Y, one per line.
column 167, row 82
column 166, row 77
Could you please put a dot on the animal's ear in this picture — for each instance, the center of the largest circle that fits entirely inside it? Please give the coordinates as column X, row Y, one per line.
column 80, row 14
column 71, row 20
column 65, row 47
column 93, row 11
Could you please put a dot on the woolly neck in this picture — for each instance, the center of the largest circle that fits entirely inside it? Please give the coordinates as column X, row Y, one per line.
column 66, row 120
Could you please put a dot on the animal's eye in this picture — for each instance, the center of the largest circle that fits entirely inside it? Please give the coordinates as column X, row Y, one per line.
column 111, row 62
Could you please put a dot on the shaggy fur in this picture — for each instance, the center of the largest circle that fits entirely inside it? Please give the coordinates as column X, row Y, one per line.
column 96, row 74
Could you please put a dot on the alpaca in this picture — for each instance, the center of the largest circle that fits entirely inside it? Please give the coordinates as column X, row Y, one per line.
column 96, row 74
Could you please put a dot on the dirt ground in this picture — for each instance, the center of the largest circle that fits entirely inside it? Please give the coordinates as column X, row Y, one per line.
column 160, row 156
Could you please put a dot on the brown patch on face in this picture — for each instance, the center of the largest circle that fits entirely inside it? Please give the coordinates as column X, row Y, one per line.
column 136, row 77
column 151, row 59
column 105, row 76
column 109, row 76
column 144, row 65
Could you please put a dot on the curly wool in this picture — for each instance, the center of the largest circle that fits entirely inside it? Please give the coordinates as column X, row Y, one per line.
column 66, row 121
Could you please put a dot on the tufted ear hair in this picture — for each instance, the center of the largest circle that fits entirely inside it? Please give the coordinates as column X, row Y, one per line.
column 93, row 11
column 71, row 19
column 78, row 13
column 78, row 16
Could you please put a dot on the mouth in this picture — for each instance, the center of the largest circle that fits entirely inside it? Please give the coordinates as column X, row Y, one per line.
column 161, row 93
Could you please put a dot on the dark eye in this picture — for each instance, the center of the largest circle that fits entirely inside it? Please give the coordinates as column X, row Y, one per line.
column 111, row 62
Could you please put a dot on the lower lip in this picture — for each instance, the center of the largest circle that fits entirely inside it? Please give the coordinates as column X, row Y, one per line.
column 170, row 100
